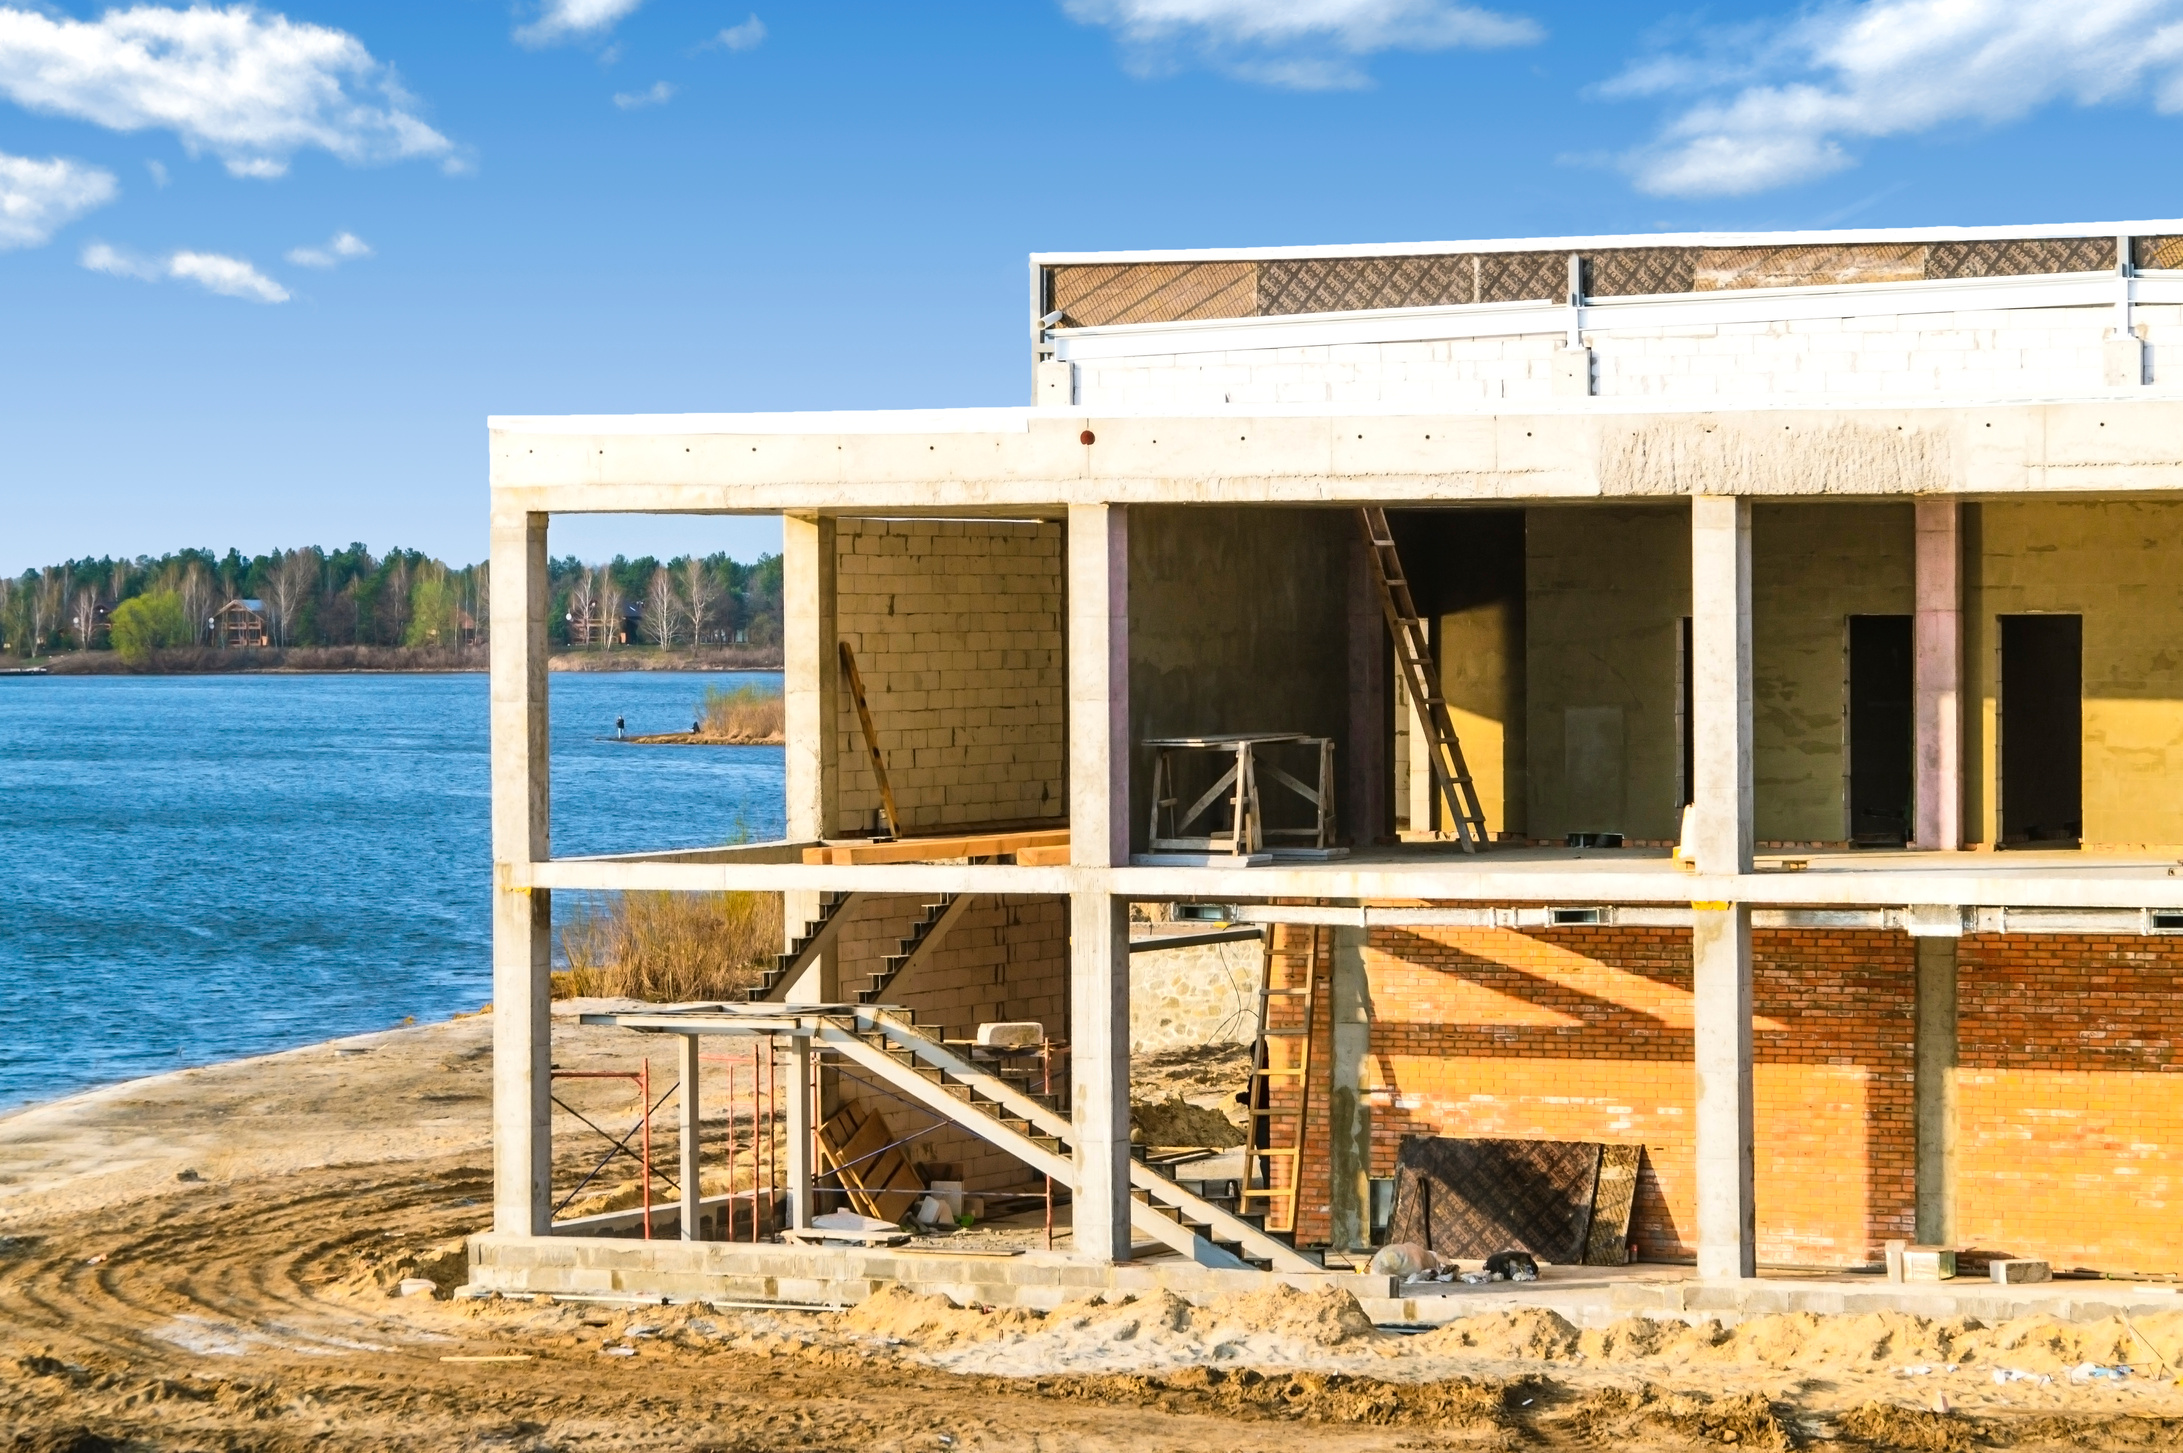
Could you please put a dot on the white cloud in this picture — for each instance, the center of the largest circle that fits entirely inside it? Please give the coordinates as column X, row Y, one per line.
column 1782, row 103
column 38, row 198
column 158, row 169
column 746, row 36
column 659, row 93
column 343, row 247
column 1301, row 44
column 574, row 19
column 251, row 88
column 215, row 272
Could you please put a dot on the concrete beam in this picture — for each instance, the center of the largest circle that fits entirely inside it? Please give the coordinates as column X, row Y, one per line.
column 1720, row 568
column 1720, row 953
column 522, row 912
column 1099, row 1074
column 1936, row 762
column 1034, row 460
column 1936, row 1090
column 1965, row 880
column 1349, row 1129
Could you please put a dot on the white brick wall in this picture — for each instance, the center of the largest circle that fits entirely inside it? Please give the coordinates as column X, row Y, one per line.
column 2023, row 352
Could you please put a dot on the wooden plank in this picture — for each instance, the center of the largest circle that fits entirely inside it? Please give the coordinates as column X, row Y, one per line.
column 1048, row 857
column 871, row 738
column 931, row 849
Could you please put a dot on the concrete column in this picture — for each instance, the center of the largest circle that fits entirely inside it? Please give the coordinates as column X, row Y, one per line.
column 810, row 680
column 1364, row 810
column 1720, row 598
column 1936, row 763
column 1099, row 1072
column 522, row 918
column 1349, row 1127
column 1099, row 745
column 692, row 1123
column 1720, row 955
column 801, row 1097
column 1936, row 1090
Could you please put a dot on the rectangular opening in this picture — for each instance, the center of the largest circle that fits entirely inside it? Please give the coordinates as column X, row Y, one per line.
column 2165, row 921
column 1879, row 730
column 1576, row 915
column 2042, row 729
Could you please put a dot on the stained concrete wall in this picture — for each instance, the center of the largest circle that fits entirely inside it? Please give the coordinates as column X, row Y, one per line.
column 1236, row 624
column 958, row 637
column 2119, row 565
column 1606, row 590
column 1812, row 567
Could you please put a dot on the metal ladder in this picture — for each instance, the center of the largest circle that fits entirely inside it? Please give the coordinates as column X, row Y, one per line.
column 1263, row 1073
column 1414, row 656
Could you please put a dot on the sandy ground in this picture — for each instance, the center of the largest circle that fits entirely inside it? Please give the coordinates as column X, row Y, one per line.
column 202, row 1261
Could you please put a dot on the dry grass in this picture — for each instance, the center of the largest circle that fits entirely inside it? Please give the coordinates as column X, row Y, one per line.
column 746, row 714
column 668, row 948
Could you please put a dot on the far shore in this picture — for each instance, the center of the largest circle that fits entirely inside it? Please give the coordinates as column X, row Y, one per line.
column 399, row 660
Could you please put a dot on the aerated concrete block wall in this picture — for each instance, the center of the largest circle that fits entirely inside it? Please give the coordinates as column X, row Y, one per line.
column 1236, row 624
column 958, row 631
column 1006, row 958
column 2119, row 564
column 1812, row 567
column 1927, row 355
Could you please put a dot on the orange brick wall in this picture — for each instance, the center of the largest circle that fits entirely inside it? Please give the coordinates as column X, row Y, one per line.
column 1585, row 1034
column 1007, row 957
column 2069, row 1100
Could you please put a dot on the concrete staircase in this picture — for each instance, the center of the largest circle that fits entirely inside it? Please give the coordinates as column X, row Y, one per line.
column 930, row 927
column 1028, row 1126
column 817, row 934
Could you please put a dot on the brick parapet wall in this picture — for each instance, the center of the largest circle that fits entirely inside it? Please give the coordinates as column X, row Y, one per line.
column 2070, row 1093
column 957, row 630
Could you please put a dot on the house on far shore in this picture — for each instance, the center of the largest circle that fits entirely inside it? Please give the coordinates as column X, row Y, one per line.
column 239, row 623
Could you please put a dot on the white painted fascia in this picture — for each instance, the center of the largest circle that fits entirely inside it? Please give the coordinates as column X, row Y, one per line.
column 1607, row 315
column 1850, row 237
column 1011, row 420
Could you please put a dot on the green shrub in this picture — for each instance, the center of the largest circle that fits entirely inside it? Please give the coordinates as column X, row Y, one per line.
column 148, row 623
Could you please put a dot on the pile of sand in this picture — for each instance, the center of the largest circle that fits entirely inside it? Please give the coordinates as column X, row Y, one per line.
column 1175, row 1121
column 1528, row 1333
column 926, row 1320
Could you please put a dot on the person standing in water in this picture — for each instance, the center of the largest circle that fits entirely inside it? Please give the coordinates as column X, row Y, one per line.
column 618, row 733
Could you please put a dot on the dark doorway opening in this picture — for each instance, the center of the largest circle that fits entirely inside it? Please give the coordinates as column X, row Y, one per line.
column 2042, row 729
column 1880, row 673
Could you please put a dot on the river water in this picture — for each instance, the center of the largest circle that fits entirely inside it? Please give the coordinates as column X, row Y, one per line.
column 200, row 867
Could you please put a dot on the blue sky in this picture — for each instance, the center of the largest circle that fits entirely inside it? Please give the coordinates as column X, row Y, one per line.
column 264, row 272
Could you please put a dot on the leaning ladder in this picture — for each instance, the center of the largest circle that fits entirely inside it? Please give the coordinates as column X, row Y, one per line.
column 1264, row 1072
column 1413, row 654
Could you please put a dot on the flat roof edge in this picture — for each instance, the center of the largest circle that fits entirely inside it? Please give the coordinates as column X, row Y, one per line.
column 2142, row 228
column 1002, row 420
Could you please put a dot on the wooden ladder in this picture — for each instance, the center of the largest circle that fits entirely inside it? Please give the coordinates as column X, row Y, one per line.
column 1414, row 656
column 1264, row 1072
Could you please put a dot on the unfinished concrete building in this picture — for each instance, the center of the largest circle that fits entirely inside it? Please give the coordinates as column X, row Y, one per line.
column 1807, row 608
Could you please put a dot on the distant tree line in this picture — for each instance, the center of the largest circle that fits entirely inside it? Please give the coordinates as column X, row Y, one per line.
column 687, row 601
column 314, row 597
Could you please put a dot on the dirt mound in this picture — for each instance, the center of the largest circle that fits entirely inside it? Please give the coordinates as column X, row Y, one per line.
column 1635, row 1338
column 1122, row 1320
column 1529, row 1333
column 929, row 1319
column 1332, row 1398
column 1910, row 1429
column 1328, row 1317
column 1175, row 1121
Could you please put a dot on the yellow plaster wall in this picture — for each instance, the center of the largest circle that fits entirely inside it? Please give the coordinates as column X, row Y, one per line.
column 1812, row 567
column 2119, row 564
column 1482, row 677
